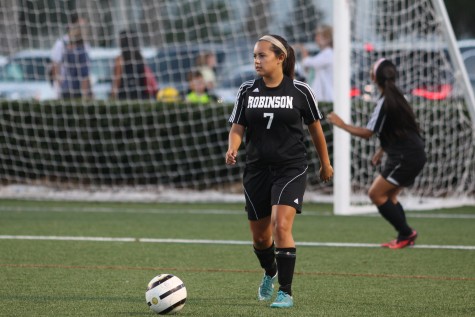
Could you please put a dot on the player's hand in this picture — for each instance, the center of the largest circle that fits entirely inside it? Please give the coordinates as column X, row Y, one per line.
column 376, row 159
column 326, row 173
column 335, row 119
column 231, row 157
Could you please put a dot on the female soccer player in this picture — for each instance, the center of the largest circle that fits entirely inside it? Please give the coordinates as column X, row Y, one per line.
column 270, row 111
column 395, row 124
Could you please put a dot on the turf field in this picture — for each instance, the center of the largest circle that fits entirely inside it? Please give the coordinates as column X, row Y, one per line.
column 95, row 259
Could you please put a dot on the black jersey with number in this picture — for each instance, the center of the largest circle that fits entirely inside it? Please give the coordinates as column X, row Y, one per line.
column 273, row 120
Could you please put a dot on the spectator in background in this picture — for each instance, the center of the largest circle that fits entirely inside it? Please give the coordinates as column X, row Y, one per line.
column 321, row 65
column 206, row 64
column 129, row 79
column 59, row 49
column 75, row 82
column 198, row 92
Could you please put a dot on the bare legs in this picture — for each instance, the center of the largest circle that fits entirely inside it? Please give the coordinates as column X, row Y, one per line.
column 384, row 195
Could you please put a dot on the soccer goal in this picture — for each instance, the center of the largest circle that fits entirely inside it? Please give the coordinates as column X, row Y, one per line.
column 167, row 149
column 417, row 36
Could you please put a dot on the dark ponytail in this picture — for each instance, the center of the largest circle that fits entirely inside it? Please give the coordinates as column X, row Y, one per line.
column 400, row 120
column 288, row 65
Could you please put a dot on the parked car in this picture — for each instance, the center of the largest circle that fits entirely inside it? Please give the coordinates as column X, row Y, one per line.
column 25, row 76
column 172, row 63
column 469, row 60
column 231, row 80
column 3, row 60
column 427, row 62
column 102, row 68
column 467, row 49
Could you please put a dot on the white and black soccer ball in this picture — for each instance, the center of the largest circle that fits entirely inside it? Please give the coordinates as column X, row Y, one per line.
column 166, row 294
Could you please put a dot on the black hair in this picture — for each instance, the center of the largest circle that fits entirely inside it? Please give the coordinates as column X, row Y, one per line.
column 401, row 120
column 73, row 21
column 74, row 18
column 75, row 29
column 288, row 66
column 130, row 46
column 193, row 74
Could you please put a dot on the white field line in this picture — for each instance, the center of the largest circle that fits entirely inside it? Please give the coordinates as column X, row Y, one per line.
column 209, row 212
column 226, row 242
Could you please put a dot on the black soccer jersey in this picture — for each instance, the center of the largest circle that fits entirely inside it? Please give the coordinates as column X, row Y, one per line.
column 376, row 123
column 273, row 120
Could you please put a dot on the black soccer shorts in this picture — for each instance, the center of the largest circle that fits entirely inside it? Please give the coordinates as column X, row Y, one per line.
column 402, row 170
column 265, row 187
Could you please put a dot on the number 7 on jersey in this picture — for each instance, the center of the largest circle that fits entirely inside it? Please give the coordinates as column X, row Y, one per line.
column 269, row 115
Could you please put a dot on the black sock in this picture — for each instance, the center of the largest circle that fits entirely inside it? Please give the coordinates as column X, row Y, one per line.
column 401, row 210
column 396, row 217
column 267, row 260
column 285, row 265
column 403, row 214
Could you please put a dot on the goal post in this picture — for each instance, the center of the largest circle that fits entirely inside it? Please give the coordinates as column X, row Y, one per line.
column 342, row 106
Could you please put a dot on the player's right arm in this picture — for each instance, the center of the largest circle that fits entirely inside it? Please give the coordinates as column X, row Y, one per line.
column 239, row 123
column 236, row 135
column 376, row 159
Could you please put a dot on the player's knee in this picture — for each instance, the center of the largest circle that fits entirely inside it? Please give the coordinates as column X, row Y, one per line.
column 281, row 230
column 376, row 197
column 262, row 242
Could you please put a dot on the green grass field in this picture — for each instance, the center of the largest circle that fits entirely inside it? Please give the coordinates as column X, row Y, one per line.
column 67, row 277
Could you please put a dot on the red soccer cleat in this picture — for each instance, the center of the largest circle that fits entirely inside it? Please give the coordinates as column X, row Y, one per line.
column 401, row 243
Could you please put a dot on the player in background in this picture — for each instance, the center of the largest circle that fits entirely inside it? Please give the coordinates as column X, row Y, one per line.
column 270, row 110
column 394, row 122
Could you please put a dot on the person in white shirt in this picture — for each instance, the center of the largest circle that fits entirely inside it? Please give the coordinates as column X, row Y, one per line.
column 58, row 50
column 321, row 65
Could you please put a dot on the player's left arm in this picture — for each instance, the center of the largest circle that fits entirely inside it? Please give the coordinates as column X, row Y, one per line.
column 318, row 138
column 361, row 132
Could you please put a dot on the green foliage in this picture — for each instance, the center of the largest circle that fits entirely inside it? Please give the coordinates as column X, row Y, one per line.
column 114, row 143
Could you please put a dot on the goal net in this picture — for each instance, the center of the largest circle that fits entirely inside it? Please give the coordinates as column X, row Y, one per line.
column 164, row 148
column 417, row 37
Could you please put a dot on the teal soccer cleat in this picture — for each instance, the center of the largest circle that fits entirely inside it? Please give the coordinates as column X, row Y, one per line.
column 283, row 300
column 266, row 289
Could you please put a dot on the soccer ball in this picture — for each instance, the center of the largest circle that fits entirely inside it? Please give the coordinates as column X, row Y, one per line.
column 165, row 294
